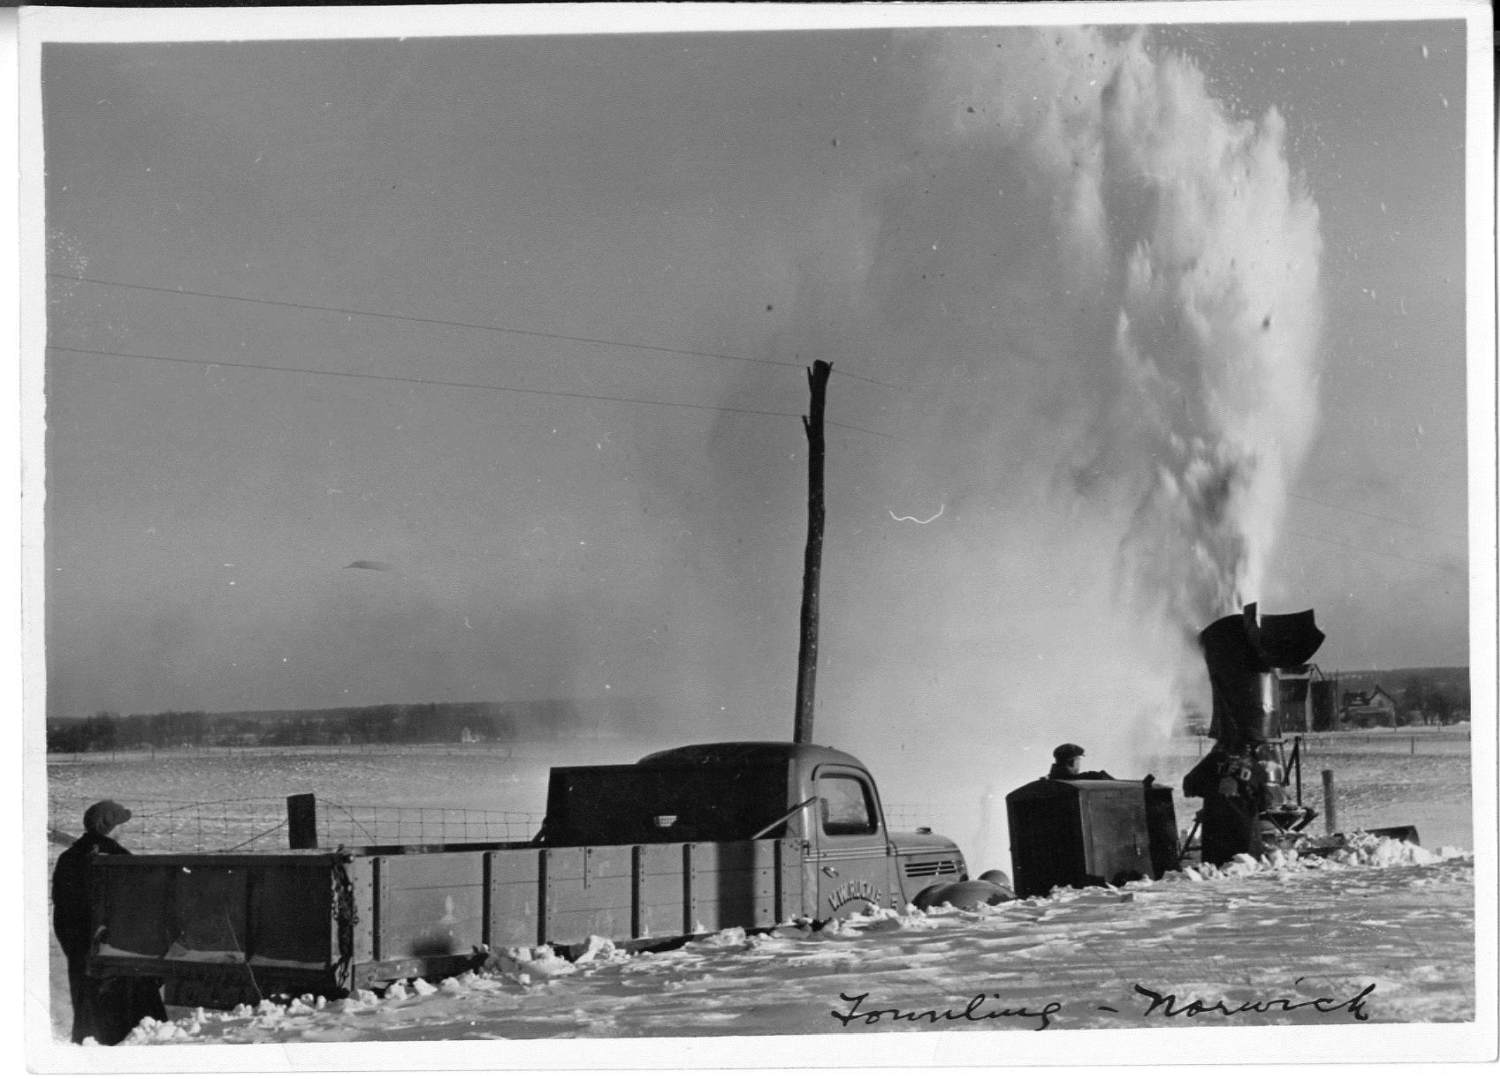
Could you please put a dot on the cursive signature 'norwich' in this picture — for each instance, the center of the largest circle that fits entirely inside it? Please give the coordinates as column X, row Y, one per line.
column 1170, row 1009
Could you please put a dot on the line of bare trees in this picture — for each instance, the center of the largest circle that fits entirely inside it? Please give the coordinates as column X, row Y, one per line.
column 386, row 723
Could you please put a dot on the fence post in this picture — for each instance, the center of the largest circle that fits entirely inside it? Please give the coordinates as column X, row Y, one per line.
column 1330, row 806
column 302, row 821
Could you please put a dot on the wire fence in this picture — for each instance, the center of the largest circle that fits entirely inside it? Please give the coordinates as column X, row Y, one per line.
column 909, row 816
column 182, row 827
column 1405, row 743
column 260, row 824
column 357, row 826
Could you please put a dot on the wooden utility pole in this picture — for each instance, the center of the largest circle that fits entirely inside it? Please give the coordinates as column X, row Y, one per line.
column 812, row 563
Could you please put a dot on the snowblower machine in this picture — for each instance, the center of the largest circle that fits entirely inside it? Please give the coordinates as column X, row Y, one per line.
column 1243, row 781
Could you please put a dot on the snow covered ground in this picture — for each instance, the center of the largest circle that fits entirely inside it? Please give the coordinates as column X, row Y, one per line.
column 1301, row 942
column 1383, row 933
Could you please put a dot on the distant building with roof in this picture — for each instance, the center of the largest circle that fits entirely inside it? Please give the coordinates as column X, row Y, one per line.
column 1375, row 708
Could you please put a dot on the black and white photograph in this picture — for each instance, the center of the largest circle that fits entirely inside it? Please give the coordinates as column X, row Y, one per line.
column 757, row 536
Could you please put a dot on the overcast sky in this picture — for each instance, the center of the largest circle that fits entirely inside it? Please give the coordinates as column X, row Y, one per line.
column 1127, row 327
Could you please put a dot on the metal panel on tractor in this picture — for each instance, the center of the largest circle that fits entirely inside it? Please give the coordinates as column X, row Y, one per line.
column 1087, row 832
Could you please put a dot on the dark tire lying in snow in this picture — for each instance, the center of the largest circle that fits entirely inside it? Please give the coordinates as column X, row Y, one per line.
column 964, row 894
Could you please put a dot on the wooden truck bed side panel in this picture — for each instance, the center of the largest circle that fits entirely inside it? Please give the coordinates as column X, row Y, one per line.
column 653, row 891
column 261, row 921
column 661, row 893
column 428, row 904
column 514, row 914
column 731, row 884
column 132, row 905
column 328, row 922
column 589, row 892
column 418, row 909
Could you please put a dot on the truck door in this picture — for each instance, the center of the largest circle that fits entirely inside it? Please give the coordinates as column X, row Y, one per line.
column 851, row 856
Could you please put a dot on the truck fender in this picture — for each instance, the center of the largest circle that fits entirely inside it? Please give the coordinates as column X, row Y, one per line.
column 964, row 894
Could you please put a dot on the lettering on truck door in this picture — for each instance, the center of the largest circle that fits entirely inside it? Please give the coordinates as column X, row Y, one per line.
column 853, row 862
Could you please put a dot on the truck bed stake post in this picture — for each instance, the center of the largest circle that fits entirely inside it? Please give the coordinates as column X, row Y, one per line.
column 1330, row 806
column 812, row 566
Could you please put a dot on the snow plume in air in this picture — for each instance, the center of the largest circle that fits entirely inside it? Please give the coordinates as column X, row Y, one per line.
column 1102, row 288
column 1193, row 253
column 1215, row 343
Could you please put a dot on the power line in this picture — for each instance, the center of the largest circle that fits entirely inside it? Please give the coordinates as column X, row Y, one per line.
column 453, row 385
column 460, row 325
column 1378, row 517
column 1370, row 550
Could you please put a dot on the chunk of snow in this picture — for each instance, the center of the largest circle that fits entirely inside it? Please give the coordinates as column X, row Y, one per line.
column 597, row 948
column 422, row 987
column 1275, row 858
column 523, row 964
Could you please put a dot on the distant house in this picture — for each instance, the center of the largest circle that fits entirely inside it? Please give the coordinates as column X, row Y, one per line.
column 1375, row 708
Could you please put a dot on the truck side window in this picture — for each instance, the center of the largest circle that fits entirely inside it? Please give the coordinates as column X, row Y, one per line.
column 847, row 807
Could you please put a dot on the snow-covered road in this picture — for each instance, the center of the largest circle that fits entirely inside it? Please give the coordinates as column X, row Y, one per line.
column 1310, row 941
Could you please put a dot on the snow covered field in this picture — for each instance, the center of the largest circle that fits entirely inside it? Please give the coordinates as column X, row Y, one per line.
column 1380, row 934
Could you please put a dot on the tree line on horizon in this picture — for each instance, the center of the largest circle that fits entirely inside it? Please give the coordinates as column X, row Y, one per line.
column 374, row 724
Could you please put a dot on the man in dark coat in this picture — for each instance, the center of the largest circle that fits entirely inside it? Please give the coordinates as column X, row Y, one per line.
column 1065, row 765
column 1232, row 796
column 105, row 1009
